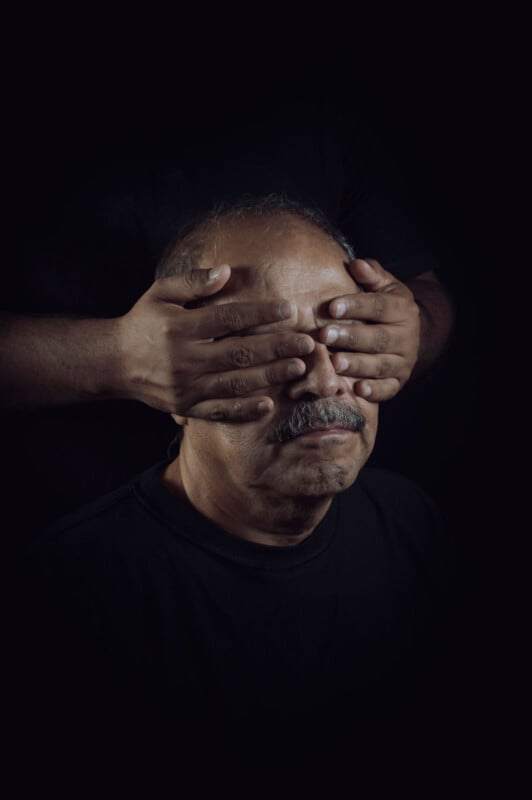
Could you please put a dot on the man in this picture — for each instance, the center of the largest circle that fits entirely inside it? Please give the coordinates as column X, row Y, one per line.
column 79, row 366
column 263, row 583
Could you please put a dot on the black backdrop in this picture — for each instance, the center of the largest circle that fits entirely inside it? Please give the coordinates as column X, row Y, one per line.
column 443, row 118
column 448, row 115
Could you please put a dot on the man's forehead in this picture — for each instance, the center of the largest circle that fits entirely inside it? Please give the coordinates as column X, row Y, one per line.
column 279, row 257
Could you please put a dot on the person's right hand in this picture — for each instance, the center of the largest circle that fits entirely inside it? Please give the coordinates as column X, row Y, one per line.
column 186, row 361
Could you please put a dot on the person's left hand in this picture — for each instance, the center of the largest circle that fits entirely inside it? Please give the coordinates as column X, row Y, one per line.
column 382, row 341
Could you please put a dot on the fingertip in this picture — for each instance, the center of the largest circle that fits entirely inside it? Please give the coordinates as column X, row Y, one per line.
column 296, row 369
column 341, row 364
column 338, row 308
column 264, row 405
column 218, row 273
column 305, row 345
column 286, row 309
column 363, row 389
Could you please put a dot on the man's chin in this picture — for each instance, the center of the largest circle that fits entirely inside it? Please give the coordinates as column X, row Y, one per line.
column 318, row 480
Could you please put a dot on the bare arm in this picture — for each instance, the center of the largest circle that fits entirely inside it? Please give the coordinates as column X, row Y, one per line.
column 176, row 359
column 48, row 361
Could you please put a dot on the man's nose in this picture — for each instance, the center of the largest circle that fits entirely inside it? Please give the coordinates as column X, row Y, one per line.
column 320, row 379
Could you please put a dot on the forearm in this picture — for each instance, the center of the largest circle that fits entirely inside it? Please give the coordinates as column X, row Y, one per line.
column 437, row 315
column 49, row 361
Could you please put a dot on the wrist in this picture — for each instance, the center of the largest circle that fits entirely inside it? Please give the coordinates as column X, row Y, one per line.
column 98, row 368
column 436, row 319
column 105, row 377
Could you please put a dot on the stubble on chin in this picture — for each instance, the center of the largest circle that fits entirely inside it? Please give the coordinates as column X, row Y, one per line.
column 317, row 480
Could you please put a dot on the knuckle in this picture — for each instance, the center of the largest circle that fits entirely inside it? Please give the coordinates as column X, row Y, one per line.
column 270, row 375
column 384, row 368
column 221, row 412
column 236, row 410
column 379, row 305
column 290, row 346
column 224, row 412
column 166, row 328
column 261, row 314
column 229, row 317
column 218, row 413
column 382, row 340
column 284, row 349
column 240, row 356
column 266, row 312
column 233, row 384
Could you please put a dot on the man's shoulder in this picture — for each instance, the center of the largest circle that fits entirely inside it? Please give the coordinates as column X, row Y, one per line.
column 95, row 513
column 397, row 500
column 102, row 524
column 405, row 513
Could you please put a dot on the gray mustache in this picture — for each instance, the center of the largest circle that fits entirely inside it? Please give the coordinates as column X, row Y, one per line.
column 308, row 415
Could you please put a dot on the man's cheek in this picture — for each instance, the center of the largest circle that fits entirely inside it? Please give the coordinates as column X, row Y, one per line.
column 245, row 436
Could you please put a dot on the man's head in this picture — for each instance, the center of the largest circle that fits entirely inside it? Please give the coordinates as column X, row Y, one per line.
column 319, row 433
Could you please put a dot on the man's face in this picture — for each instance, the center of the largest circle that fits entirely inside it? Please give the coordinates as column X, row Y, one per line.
column 312, row 443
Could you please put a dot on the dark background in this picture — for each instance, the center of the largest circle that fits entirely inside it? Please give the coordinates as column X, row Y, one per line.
column 445, row 108
column 449, row 103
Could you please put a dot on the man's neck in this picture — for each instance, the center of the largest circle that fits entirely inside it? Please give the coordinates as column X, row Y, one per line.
column 249, row 514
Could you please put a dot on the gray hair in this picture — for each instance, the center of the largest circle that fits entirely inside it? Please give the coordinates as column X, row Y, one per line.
column 183, row 254
column 307, row 416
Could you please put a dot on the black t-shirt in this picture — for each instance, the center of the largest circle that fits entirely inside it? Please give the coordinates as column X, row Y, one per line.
column 138, row 614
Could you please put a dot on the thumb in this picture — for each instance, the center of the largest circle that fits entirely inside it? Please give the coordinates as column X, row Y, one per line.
column 192, row 284
column 371, row 275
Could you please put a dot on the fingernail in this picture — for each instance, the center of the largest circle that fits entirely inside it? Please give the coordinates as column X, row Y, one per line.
column 304, row 346
column 285, row 309
column 342, row 364
column 366, row 390
column 263, row 406
column 294, row 370
column 331, row 336
column 339, row 310
column 214, row 274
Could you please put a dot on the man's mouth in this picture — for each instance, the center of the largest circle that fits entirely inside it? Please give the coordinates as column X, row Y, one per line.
column 323, row 417
column 324, row 429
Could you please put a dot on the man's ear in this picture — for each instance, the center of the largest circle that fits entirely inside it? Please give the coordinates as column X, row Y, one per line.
column 181, row 421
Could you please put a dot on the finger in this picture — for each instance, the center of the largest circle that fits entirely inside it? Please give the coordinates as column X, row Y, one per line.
column 191, row 284
column 212, row 322
column 368, row 366
column 387, row 307
column 249, row 351
column 371, row 275
column 243, row 409
column 364, row 338
column 378, row 391
column 236, row 383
